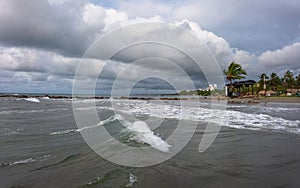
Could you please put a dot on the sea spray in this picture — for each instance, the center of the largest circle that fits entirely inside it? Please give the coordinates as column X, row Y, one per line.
column 143, row 134
column 32, row 100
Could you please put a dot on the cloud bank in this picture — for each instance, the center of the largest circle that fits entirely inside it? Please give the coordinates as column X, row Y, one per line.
column 41, row 42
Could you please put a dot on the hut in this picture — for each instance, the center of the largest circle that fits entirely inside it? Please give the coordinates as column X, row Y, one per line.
column 241, row 87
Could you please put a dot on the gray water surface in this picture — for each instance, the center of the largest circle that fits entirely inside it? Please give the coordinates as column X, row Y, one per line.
column 40, row 146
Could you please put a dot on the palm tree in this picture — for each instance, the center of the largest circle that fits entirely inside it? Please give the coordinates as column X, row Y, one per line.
column 298, row 80
column 264, row 76
column 234, row 72
column 274, row 81
column 262, row 80
column 288, row 79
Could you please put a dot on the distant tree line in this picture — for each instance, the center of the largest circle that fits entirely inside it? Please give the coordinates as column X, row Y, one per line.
column 195, row 92
column 269, row 82
column 279, row 84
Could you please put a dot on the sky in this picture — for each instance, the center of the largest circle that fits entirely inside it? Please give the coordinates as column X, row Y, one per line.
column 42, row 41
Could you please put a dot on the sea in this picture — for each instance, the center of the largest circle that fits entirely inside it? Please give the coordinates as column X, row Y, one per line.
column 258, row 145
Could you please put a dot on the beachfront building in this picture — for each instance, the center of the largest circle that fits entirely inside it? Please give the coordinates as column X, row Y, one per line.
column 211, row 87
column 240, row 88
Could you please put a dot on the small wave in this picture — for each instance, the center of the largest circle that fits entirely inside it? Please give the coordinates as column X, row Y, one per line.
column 9, row 131
column 26, row 161
column 31, row 111
column 57, row 109
column 126, row 179
column 68, row 131
column 45, row 98
column 143, row 134
column 94, row 182
column 63, row 132
column 68, row 158
column 132, row 180
column 32, row 100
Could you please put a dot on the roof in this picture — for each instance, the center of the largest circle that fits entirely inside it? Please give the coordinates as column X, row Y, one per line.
column 262, row 92
column 246, row 83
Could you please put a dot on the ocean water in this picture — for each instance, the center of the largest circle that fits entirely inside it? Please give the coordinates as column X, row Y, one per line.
column 41, row 146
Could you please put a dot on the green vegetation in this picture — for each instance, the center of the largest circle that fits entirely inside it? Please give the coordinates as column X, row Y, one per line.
column 196, row 92
column 234, row 72
column 272, row 84
column 281, row 85
column 204, row 92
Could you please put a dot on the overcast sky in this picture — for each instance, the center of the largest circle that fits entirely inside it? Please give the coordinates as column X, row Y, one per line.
column 42, row 41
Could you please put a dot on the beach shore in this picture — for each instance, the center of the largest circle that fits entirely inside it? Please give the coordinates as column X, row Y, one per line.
column 265, row 100
column 229, row 100
column 281, row 99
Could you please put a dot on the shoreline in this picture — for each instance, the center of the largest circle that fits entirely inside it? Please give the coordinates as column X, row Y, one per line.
column 249, row 100
column 281, row 99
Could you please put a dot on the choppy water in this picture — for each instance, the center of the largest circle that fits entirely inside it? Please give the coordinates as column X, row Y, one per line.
column 41, row 146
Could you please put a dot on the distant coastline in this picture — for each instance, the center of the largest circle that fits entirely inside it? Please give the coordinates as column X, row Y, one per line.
column 253, row 100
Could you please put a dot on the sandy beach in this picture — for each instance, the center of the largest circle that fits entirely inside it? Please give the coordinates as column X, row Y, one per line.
column 265, row 100
column 281, row 99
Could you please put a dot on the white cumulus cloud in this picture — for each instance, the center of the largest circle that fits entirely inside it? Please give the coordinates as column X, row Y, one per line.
column 288, row 57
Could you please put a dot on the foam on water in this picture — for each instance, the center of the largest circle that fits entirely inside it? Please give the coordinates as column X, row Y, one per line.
column 132, row 180
column 26, row 161
column 141, row 131
column 68, row 131
column 10, row 131
column 32, row 100
column 143, row 134
column 31, row 111
column 63, row 132
column 232, row 118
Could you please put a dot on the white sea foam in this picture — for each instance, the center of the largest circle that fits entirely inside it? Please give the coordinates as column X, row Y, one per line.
column 63, row 132
column 132, row 180
column 26, row 161
column 31, row 111
column 232, row 118
column 143, row 134
column 32, row 100
column 10, row 131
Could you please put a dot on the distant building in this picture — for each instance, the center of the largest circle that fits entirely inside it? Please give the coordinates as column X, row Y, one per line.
column 293, row 91
column 211, row 87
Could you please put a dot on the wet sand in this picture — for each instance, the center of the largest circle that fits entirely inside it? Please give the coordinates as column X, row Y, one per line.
column 281, row 99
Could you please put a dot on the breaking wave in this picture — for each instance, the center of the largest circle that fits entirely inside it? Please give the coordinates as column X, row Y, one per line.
column 232, row 118
column 32, row 100
column 137, row 131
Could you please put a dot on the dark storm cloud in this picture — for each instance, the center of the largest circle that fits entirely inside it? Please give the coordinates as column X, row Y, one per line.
column 39, row 24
